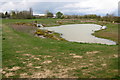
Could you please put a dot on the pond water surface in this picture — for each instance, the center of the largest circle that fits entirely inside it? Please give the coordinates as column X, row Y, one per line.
column 80, row 33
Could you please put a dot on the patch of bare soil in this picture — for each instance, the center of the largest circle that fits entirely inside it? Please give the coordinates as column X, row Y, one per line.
column 104, row 65
column 46, row 73
column 37, row 67
column 92, row 52
column 47, row 56
column 29, row 65
column 19, row 51
column 43, row 74
column 30, row 55
column 115, row 55
column 58, row 72
column 36, row 48
column 3, row 72
column 64, row 72
column 24, row 75
column 72, row 54
column 76, row 56
column 26, row 54
column 37, row 58
column 14, row 68
column 9, row 74
column 47, row 62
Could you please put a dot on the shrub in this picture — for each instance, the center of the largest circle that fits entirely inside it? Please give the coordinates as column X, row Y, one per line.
column 39, row 32
column 49, row 35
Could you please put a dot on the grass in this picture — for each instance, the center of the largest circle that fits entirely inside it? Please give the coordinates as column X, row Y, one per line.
column 26, row 56
column 0, row 48
column 110, row 33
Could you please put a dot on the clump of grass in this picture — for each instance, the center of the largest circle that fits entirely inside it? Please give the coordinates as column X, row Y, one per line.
column 39, row 32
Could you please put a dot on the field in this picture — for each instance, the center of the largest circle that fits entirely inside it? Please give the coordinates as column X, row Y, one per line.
column 28, row 56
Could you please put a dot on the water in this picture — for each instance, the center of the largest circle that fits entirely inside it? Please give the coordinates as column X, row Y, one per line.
column 80, row 33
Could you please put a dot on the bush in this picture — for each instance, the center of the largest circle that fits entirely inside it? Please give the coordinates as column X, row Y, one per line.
column 39, row 32
column 48, row 35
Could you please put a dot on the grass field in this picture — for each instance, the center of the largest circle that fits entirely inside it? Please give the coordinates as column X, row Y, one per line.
column 27, row 56
column 110, row 33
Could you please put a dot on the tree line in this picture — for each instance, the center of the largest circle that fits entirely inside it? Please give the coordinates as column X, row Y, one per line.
column 60, row 15
column 17, row 15
column 28, row 15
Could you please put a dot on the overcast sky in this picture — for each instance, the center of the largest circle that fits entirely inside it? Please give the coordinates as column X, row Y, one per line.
column 74, row 7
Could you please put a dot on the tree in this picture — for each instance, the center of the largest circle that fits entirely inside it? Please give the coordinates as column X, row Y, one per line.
column 13, row 14
column 7, row 14
column 59, row 15
column 2, row 15
column 21, row 15
column 49, row 14
column 31, row 11
column 107, row 14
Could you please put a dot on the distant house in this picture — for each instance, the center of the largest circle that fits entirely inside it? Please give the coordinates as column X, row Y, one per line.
column 39, row 14
column 42, row 15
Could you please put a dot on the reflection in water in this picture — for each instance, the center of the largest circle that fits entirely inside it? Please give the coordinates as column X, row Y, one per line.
column 80, row 33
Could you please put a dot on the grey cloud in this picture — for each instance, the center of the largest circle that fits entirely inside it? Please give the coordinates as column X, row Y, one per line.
column 41, row 7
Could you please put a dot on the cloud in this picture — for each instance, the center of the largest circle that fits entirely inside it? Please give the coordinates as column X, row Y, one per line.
column 43, row 0
column 100, row 7
column 91, row 7
column 8, row 6
column 38, row 7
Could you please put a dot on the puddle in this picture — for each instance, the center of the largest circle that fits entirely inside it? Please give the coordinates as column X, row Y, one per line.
column 80, row 33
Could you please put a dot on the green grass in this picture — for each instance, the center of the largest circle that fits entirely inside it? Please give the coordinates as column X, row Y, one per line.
column 110, row 33
column 55, row 59
column 0, row 47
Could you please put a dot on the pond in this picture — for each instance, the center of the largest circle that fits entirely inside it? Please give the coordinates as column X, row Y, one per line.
column 80, row 33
